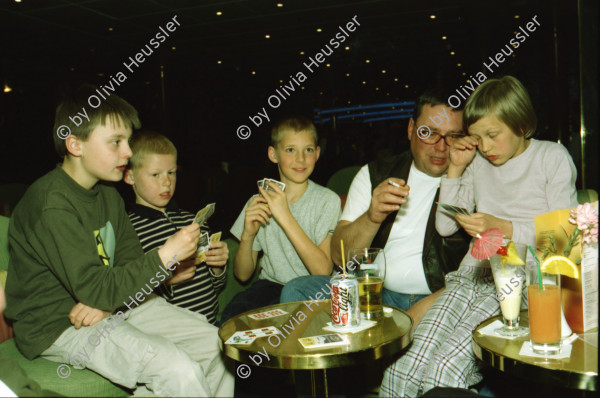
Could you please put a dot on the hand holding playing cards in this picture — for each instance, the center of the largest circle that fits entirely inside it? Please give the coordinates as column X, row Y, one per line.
column 277, row 201
column 185, row 270
column 386, row 199
column 257, row 213
column 217, row 255
column 478, row 223
column 180, row 245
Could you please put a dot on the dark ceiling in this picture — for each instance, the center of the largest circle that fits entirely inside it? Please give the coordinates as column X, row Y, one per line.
column 218, row 67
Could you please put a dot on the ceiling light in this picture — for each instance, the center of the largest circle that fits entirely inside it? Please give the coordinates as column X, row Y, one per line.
column 219, row 62
column 319, row 30
column 320, row 93
column 100, row 74
column 328, row 65
column 432, row 16
column 347, row 48
column 444, row 37
column 459, row 64
column 267, row 36
column 452, row 53
column 349, row 101
column 219, row 13
column 301, row 52
column 406, row 86
column 254, row 72
column 7, row 88
column 302, row 87
column 387, row 94
column 110, row 29
column 367, row 61
column 16, row 1
column 395, row 79
column 384, row 71
column 376, row 88
column 364, row 82
column 347, row 74
column 280, row 5
column 173, row 48
column 516, row 16
column 280, row 81
column 464, row 74
column 147, row 83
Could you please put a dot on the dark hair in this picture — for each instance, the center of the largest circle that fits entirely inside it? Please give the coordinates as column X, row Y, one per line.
column 113, row 107
column 294, row 124
column 433, row 96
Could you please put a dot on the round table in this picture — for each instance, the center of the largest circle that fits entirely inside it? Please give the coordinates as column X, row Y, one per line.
column 389, row 336
column 580, row 371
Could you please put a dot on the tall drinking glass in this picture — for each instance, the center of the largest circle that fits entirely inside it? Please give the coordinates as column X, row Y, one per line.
column 510, row 277
column 368, row 265
column 544, row 314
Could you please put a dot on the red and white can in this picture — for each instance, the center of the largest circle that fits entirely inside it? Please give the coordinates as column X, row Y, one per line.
column 345, row 310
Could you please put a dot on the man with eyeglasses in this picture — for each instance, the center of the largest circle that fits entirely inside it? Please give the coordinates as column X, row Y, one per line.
column 391, row 204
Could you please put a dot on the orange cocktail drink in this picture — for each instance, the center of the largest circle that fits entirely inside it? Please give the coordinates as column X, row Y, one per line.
column 544, row 318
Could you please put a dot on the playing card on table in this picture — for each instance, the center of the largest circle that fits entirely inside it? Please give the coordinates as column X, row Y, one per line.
column 453, row 210
column 203, row 215
column 267, row 314
column 241, row 338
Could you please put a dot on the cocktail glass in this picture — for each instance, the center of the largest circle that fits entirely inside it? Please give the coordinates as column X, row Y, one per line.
column 510, row 279
column 368, row 265
column 545, row 314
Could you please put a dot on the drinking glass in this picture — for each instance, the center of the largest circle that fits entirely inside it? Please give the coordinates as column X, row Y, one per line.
column 510, row 279
column 368, row 265
column 545, row 314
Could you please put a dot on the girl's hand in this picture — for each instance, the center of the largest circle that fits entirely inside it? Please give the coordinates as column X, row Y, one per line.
column 217, row 255
column 277, row 202
column 463, row 151
column 82, row 315
column 256, row 214
column 478, row 223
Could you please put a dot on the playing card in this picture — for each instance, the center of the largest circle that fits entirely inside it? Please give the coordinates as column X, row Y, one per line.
column 453, row 210
column 203, row 245
column 266, row 331
column 203, row 215
column 215, row 237
column 267, row 314
column 260, row 183
column 278, row 183
column 241, row 338
column 326, row 340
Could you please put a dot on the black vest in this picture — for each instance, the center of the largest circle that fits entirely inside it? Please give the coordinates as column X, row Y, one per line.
column 440, row 255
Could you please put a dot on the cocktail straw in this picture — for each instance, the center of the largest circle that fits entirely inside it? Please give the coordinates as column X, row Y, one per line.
column 539, row 270
column 343, row 259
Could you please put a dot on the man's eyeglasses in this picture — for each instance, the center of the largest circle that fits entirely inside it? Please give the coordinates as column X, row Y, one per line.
column 433, row 138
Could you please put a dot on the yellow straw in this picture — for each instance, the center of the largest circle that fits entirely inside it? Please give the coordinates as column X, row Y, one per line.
column 343, row 259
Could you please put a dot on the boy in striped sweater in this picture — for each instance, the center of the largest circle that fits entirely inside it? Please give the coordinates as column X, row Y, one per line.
column 152, row 172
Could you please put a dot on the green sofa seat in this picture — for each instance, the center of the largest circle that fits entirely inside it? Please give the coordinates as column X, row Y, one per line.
column 81, row 383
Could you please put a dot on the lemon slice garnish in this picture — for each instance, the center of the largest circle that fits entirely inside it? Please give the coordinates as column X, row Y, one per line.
column 560, row 265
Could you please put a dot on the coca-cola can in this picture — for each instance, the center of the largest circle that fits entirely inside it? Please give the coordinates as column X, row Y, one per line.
column 345, row 309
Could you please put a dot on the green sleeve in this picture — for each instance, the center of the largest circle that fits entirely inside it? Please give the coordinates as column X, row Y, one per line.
column 67, row 247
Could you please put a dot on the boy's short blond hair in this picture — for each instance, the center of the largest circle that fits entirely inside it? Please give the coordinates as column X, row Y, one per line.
column 506, row 98
column 149, row 143
column 295, row 124
column 113, row 107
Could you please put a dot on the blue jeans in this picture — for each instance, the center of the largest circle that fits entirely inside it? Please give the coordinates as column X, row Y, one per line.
column 317, row 287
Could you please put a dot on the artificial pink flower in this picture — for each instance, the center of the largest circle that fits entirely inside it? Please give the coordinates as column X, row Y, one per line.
column 586, row 218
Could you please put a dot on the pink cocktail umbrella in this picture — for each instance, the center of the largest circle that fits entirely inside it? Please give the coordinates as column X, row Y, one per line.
column 487, row 244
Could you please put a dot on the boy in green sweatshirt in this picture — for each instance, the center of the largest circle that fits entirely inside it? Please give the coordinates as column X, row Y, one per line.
column 76, row 259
